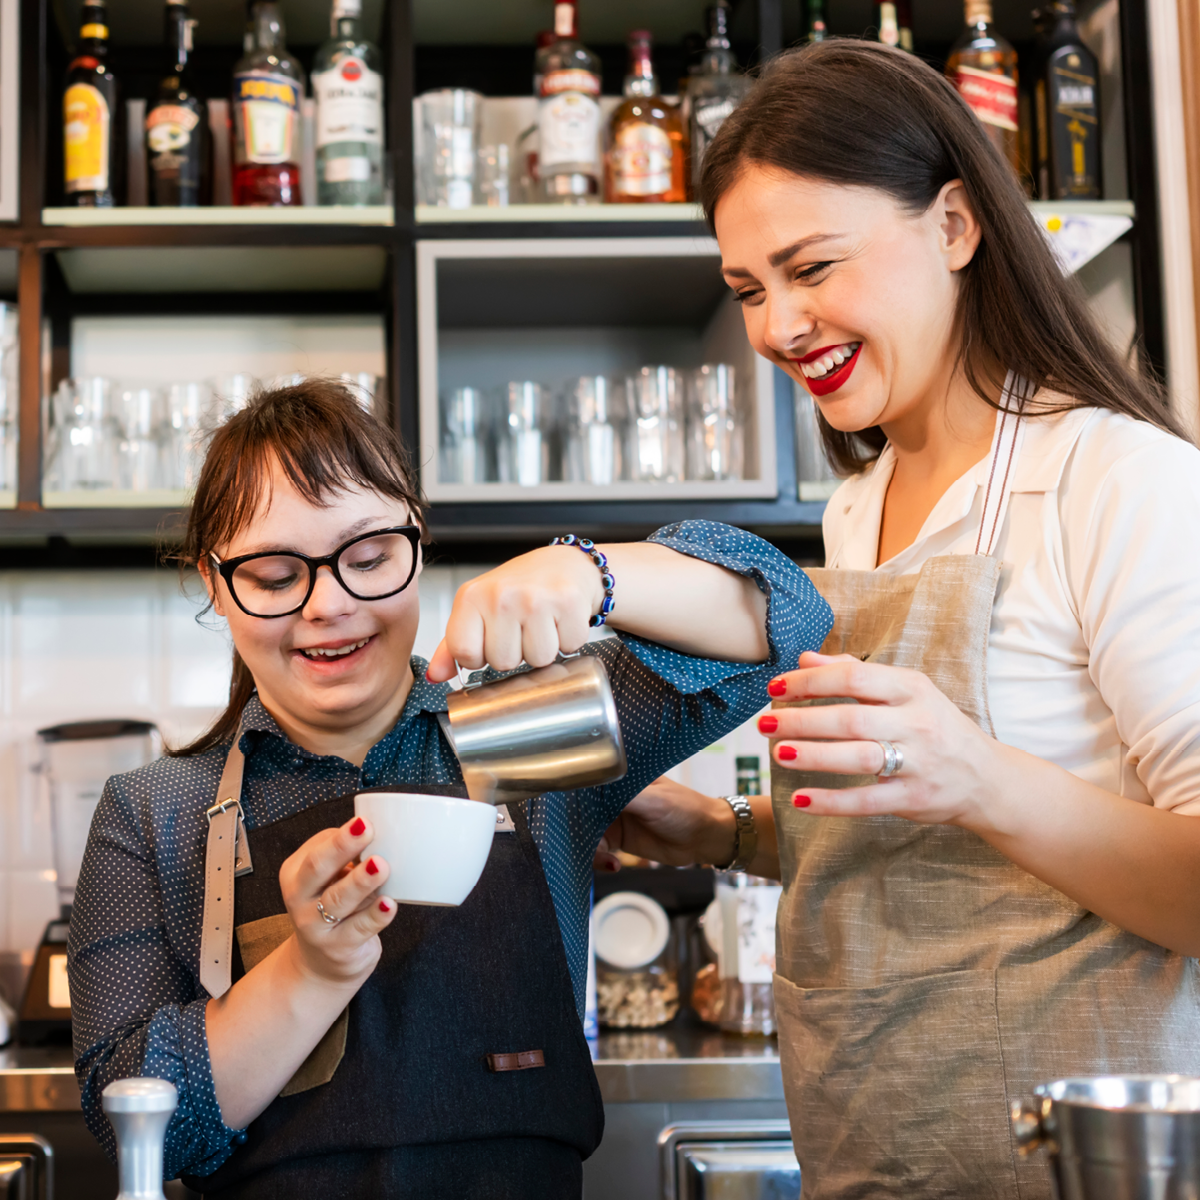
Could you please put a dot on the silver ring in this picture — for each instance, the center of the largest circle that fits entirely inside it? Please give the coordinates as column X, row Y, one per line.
column 893, row 759
column 326, row 917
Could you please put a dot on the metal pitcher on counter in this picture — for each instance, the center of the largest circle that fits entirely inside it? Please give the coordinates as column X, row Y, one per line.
column 549, row 729
column 1116, row 1137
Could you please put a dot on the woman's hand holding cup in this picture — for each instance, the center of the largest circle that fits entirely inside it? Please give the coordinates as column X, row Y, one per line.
column 342, row 946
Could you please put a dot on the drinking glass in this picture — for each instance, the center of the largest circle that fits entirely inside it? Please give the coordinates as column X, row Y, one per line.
column 449, row 137
column 83, row 453
column 464, row 437
column 494, row 176
column 366, row 389
column 656, row 445
column 140, row 450
column 9, row 396
column 714, row 434
column 524, row 449
column 190, row 417
column 814, row 474
column 231, row 393
column 594, row 412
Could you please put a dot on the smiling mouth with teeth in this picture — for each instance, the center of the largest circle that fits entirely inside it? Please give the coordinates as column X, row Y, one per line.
column 828, row 361
column 317, row 655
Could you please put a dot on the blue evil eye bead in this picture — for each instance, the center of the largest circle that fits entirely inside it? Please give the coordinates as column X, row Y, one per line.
column 607, row 581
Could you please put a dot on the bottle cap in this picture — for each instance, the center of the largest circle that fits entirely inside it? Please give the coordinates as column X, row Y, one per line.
column 747, row 762
column 631, row 930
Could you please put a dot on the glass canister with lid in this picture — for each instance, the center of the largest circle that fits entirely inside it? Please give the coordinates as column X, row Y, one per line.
column 637, row 976
column 747, row 906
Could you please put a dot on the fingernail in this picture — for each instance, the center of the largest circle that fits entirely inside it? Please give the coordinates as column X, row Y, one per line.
column 786, row 753
column 372, row 868
column 612, row 866
column 777, row 687
column 801, row 801
column 384, row 906
column 358, row 828
column 768, row 724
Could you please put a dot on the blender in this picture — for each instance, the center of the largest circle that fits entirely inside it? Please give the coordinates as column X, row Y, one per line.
column 76, row 760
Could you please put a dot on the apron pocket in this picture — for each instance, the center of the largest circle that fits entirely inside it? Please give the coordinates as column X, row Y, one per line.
column 257, row 939
column 897, row 1090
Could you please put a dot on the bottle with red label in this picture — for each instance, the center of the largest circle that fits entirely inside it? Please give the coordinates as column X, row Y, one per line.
column 568, row 114
column 646, row 161
column 176, row 129
column 90, row 116
column 983, row 67
column 268, row 94
column 348, row 88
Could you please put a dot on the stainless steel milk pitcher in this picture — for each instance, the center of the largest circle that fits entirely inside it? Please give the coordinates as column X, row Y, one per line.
column 1116, row 1137
column 549, row 729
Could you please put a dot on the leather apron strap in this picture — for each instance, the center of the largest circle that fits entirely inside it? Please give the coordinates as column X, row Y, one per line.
column 227, row 856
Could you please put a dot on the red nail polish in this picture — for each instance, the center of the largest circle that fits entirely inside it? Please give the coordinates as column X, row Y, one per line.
column 384, row 906
column 801, row 801
column 358, row 828
column 372, row 868
column 777, row 687
column 768, row 724
column 786, row 753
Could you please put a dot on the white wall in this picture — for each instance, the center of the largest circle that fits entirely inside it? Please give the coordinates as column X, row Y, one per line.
column 76, row 645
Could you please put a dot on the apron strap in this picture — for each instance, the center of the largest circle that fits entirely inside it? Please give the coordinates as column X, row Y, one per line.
column 226, row 857
column 1005, row 451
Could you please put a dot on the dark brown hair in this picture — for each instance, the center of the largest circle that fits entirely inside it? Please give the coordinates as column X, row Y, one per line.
column 325, row 442
column 863, row 114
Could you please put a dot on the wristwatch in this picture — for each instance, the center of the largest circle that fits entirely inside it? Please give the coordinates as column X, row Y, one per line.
column 746, row 844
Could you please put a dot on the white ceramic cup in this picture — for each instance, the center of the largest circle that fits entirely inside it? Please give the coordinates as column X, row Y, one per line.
column 435, row 846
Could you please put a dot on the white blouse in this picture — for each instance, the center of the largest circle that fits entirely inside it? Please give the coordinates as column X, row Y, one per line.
column 1094, row 651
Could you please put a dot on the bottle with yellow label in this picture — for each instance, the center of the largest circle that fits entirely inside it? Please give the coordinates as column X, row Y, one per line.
column 90, row 116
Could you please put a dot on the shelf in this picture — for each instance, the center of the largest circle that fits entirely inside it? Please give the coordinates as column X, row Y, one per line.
column 557, row 214
column 555, row 492
column 159, row 498
column 94, row 218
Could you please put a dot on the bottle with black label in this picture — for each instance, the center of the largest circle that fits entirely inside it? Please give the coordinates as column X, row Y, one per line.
column 716, row 88
column 268, row 95
column 90, row 116
column 176, row 128
column 1066, row 93
column 348, row 88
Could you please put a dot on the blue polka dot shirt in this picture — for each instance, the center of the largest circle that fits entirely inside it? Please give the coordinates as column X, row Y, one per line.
column 137, row 1003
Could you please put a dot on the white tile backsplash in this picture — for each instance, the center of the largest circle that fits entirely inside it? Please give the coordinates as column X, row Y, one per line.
column 77, row 645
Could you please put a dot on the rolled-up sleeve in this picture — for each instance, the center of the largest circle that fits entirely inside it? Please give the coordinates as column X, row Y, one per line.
column 136, row 1005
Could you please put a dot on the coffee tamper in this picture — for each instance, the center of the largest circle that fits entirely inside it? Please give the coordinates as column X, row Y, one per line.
column 139, row 1110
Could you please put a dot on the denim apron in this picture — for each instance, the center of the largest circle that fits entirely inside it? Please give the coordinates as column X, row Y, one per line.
column 923, row 980
column 459, row 1068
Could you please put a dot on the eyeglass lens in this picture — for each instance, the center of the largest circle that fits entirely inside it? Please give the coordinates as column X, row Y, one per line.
column 276, row 583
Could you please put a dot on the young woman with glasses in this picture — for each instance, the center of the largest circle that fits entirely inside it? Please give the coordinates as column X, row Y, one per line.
column 363, row 1050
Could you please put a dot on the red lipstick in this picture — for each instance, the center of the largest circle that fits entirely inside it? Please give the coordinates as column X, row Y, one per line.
column 834, row 380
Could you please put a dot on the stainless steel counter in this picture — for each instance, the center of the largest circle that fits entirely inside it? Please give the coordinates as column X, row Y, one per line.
column 38, row 1080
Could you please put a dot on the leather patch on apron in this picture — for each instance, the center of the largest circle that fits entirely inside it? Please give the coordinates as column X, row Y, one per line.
column 257, row 939
column 523, row 1060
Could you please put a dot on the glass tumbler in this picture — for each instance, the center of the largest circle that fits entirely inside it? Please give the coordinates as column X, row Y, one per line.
column 140, row 452
column 9, row 397
column 494, row 176
column 189, row 412
column 592, row 447
column 449, row 139
column 524, row 451
column 230, row 394
column 815, row 475
column 87, row 436
column 463, row 452
column 656, row 423
column 714, row 433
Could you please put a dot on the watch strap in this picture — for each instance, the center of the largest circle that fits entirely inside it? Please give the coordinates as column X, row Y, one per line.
column 746, row 842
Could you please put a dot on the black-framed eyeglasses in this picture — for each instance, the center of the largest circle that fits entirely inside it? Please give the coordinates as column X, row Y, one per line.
column 372, row 566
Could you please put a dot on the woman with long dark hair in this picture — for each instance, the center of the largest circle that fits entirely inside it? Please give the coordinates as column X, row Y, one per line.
column 336, row 1045
column 986, row 787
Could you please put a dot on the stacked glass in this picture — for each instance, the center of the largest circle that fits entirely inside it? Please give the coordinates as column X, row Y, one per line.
column 9, row 397
column 449, row 140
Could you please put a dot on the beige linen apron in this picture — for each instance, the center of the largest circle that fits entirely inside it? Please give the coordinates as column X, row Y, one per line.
column 923, row 980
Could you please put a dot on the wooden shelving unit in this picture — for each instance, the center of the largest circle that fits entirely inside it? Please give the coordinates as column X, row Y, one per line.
column 74, row 262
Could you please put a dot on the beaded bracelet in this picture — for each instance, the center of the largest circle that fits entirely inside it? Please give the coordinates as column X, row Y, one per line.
column 606, row 577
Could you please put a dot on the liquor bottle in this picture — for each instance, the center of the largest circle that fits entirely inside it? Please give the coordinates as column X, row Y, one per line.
column 904, row 22
column 176, row 125
column 647, row 155
column 568, row 114
column 348, row 87
column 887, row 24
column 983, row 67
column 716, row 88
column 1066, row 109
column 268, row 90
column 749, row 775
column 90, row 116
column 816, row 29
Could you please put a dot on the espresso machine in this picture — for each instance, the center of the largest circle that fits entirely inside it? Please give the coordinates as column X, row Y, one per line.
column 75, row 760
